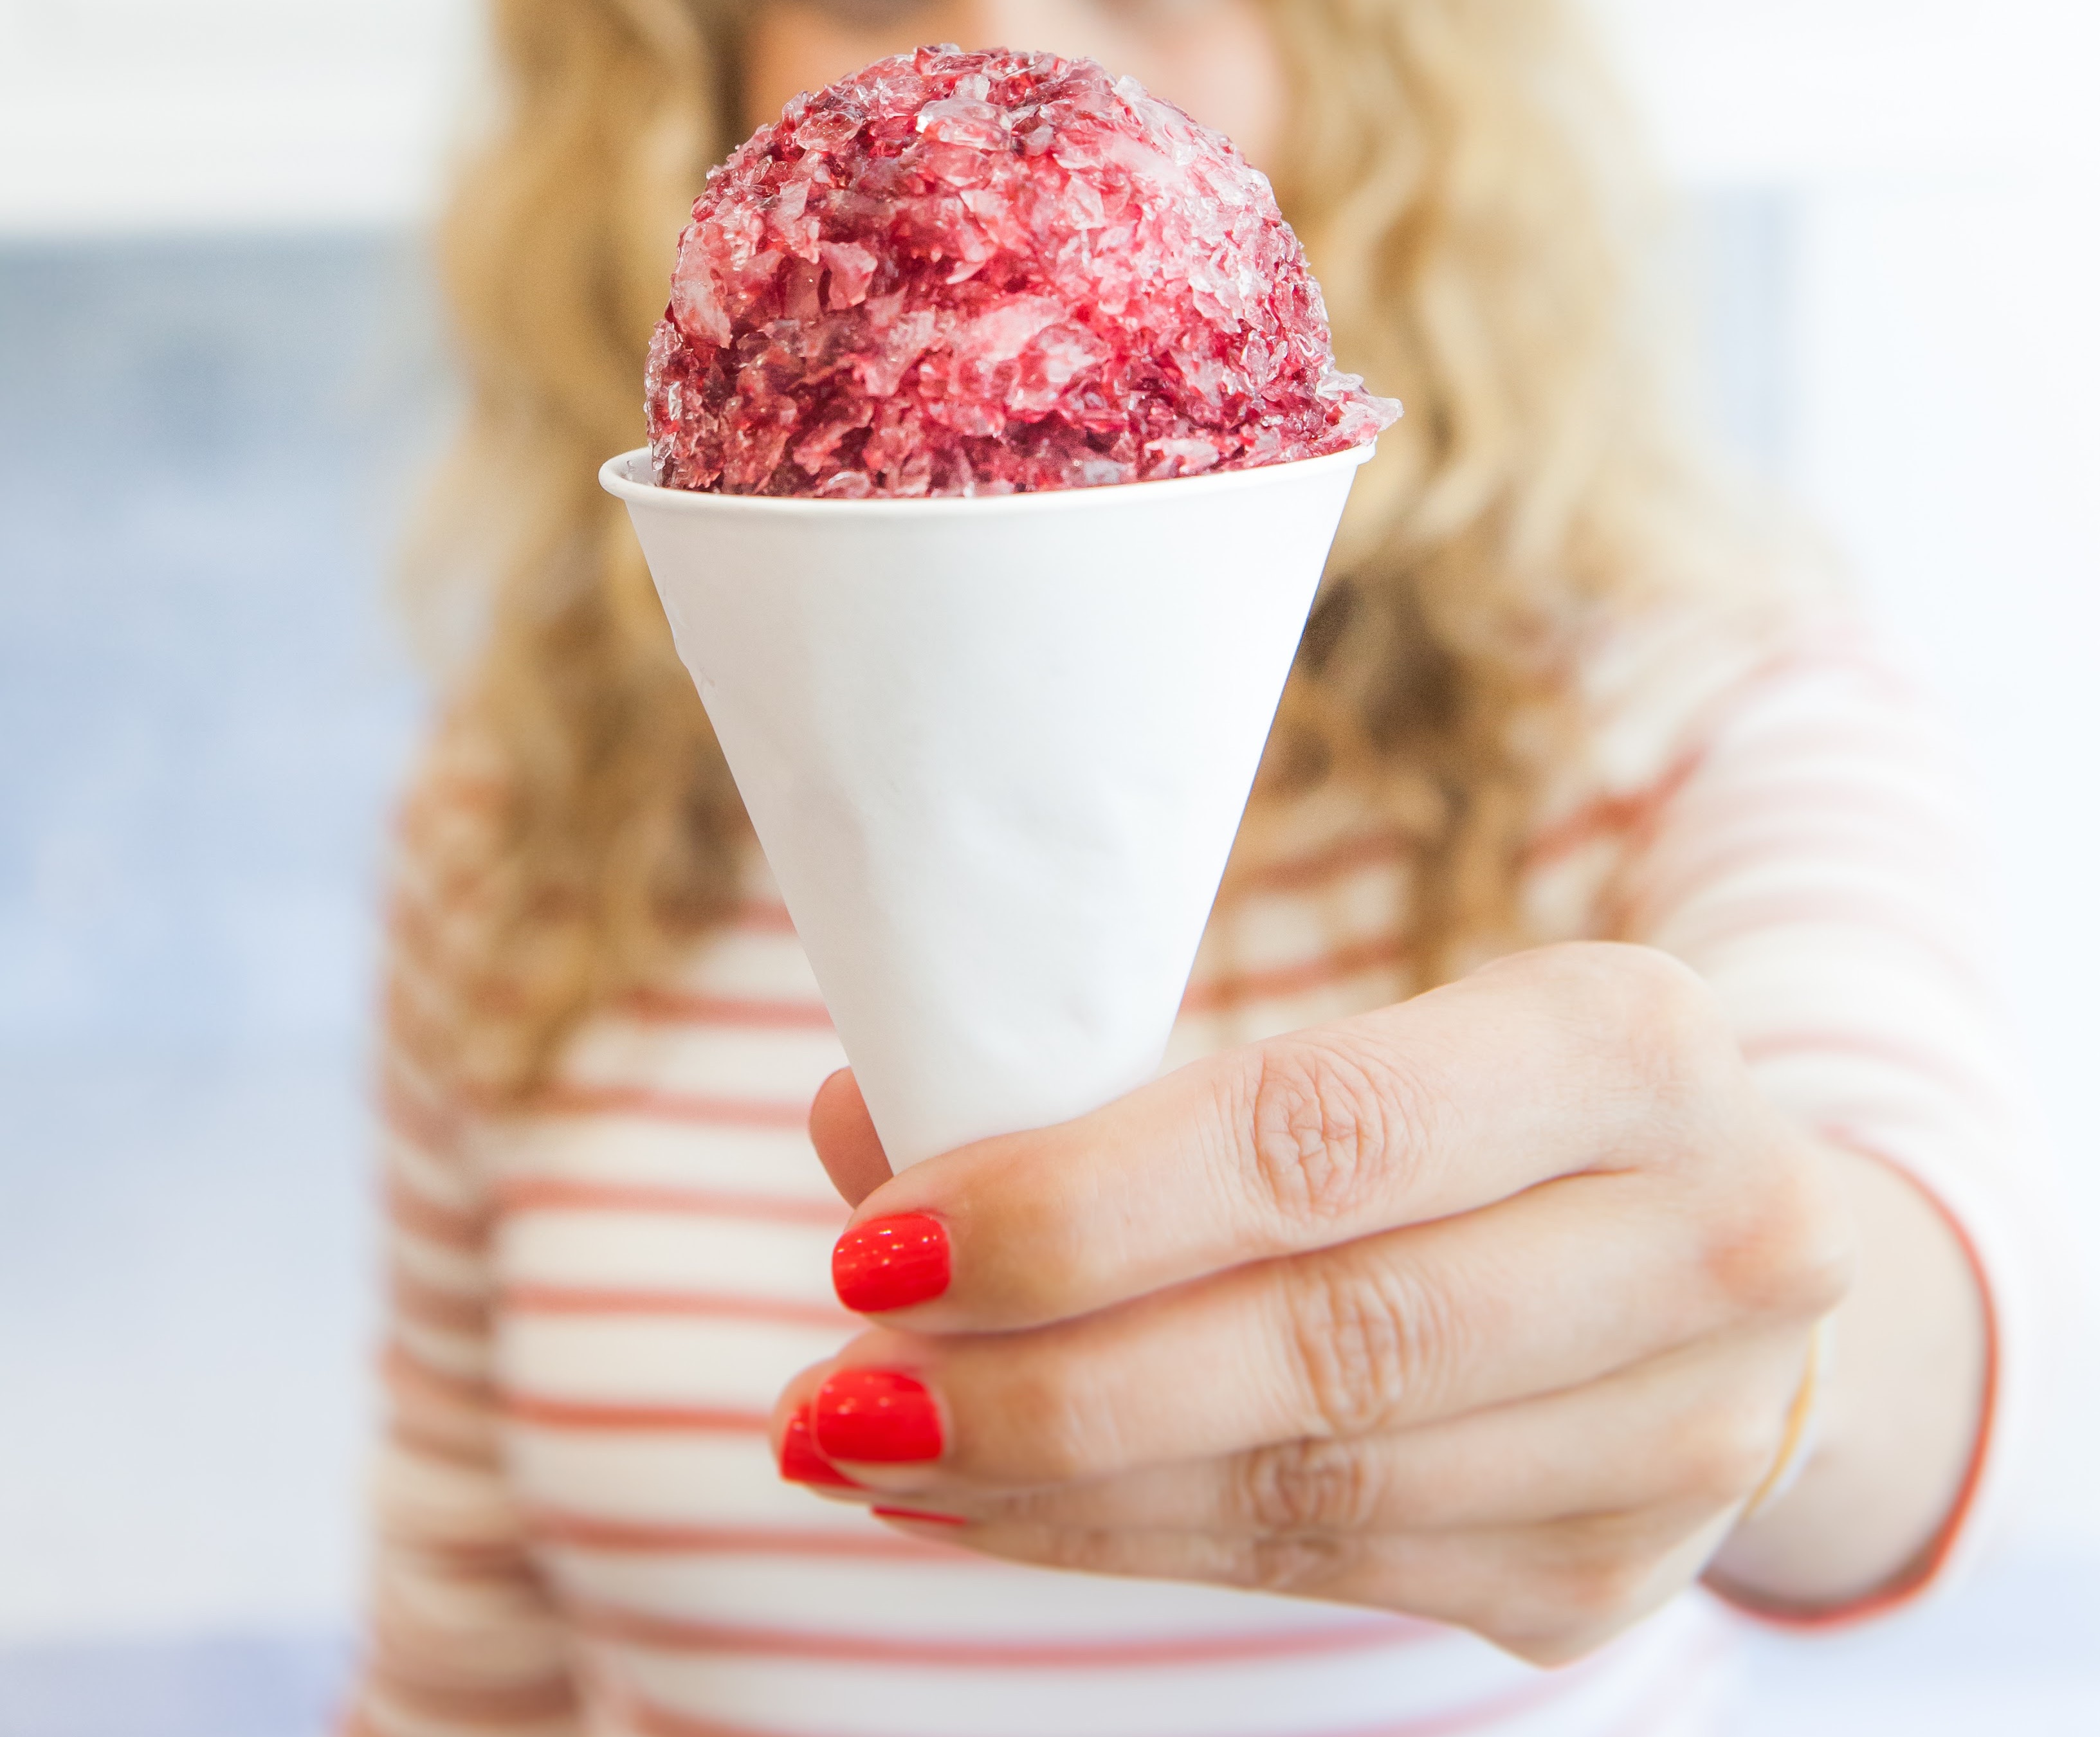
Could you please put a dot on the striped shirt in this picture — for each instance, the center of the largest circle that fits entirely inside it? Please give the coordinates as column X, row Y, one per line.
column 581, row 1529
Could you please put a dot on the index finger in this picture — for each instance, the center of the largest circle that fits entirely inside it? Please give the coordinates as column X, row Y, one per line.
column 1443, row 1104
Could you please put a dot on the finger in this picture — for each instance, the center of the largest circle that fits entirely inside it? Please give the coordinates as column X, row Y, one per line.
column 1691, row 1434
column 1389, row 1333
column 797, row 1454
column 844, row 1134
column 1549, row 1594
column 1556, row 1062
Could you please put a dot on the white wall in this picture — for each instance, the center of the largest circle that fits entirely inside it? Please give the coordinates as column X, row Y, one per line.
column 1938, row 164
column 131, row 116
column 1947, row 379
column 1800, row 90
column 127, row 114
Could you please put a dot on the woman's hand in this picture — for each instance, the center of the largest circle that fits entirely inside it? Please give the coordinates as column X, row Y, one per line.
column 1489, row 1307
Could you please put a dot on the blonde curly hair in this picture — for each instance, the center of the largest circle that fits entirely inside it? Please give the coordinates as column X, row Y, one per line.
column 1472, row 202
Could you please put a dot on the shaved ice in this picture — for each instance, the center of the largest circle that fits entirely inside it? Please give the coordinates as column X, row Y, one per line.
column 963, row 274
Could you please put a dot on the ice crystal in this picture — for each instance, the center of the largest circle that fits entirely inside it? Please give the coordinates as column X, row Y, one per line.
column 956, row 274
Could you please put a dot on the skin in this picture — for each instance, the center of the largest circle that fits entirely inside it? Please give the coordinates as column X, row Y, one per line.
column 1212, row 57
column 1366, row 1313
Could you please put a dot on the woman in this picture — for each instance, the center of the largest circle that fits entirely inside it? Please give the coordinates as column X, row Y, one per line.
column 1391, row 1347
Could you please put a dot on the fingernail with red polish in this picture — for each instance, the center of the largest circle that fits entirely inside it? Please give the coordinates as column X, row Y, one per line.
column 801, row 1463
column 919, row 1514
column 876, row 1416
column 891, row 1263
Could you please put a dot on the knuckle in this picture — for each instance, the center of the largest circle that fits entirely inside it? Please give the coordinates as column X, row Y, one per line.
column 1300, row 1566
column 1054, row 1429
column 1334, row 1126
column 1723, row 1457
column 1785, row 1247
column 1554, row 1619
column 1307, row 1486
column 1036, row 1201
column 1648, row 1035
column 1594, row 1586
column 1779, row 1241
column 1045, row 1508
column 1358, row 1332
column 1081, row 1551
column 1677, row 1047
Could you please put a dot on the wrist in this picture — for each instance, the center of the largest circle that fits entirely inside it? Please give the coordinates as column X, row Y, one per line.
column 1897, row 1424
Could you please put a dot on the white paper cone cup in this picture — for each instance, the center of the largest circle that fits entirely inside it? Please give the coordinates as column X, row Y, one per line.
column 996, row 752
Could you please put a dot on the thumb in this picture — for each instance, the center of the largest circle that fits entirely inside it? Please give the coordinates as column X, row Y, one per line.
column 845, row 1139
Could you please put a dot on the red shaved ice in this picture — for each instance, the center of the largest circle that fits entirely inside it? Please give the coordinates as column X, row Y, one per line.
column 959, row 274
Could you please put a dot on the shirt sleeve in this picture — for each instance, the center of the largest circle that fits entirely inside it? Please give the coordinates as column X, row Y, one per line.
column 462, row 1638
column 1818, row 861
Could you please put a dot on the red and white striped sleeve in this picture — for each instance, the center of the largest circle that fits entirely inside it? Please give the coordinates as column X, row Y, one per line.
column 461, row 1639
column 1818, row 859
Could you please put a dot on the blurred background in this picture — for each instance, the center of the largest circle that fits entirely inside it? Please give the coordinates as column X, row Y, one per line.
column 220, row 373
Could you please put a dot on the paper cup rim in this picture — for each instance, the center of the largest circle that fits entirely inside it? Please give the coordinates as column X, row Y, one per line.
column 622, row 476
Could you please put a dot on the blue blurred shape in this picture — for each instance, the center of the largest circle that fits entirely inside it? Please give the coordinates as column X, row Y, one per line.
column 242, row 1687
column 203, row 450
column 206, row 445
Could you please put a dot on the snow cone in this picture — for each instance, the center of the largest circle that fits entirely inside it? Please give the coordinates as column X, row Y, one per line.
column 996, row 446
